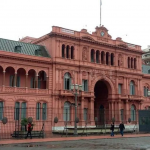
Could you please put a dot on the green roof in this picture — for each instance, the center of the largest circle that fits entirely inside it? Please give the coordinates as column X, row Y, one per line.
column 26, row 48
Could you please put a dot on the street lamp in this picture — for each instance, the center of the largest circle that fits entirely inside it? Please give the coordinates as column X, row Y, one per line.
column 76, row 89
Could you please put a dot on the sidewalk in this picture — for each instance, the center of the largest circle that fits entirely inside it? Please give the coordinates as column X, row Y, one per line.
column 15, row 141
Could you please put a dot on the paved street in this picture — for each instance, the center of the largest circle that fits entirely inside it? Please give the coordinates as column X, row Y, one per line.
column 141, row 143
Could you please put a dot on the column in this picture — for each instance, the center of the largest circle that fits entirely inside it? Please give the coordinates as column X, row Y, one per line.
column 110, row 112
column 99, row 57
column 109, row 59
column 36, row 81
column 64, row 51
column 112, row 107
column 119, row 112
column 69, row 52
column 113, row 60
column 82, row 112
column 92, row 111
column 94, row 53
column 129, row 64
column 47, row 82
column 104, row 58
column 26, row 83
column 15, row 79
column 127, row 113
column 127, row 87
column 124, row 86
column 3, row 78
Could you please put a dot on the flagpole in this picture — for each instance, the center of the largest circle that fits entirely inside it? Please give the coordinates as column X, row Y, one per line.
column 100, row 13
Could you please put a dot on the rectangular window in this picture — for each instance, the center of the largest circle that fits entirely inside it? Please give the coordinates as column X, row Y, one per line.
column 122, row 114
column 119, row 88
column 1, row 110
column 23, row 110
column 84, row 85
column 44, row 112
column 85, row 113
column 17, row 110
column 38, row 106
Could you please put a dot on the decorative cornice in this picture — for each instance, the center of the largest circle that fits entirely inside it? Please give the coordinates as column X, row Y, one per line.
column 54, row 34
column 25, row 58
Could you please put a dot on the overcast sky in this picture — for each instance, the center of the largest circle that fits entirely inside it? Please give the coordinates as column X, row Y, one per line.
column 129, row 19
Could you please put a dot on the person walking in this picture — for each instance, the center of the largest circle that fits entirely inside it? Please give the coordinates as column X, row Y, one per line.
column 112, row 128
column 29, row 131
column 121, row 127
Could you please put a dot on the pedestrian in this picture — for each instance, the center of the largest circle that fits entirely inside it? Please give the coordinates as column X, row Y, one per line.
column 112, row 128
column 121, row 127
column 29, row 130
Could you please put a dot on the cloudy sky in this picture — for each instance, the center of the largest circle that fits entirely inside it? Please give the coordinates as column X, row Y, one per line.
column 129, row 19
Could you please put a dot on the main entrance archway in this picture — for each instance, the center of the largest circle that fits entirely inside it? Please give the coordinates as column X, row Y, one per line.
column 102, row 91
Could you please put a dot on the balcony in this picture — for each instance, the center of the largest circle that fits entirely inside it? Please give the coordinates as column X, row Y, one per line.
column 69, row 93
column 8, row 89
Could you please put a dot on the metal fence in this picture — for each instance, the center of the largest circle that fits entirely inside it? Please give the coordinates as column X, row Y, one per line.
column 45, row 126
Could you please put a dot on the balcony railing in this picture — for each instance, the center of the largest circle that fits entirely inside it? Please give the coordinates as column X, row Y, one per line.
column 22, row 90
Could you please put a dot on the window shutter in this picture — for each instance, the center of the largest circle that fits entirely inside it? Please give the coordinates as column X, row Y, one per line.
column 70, row 82
column 86, row 85
column 17, row 111
column 133, row 90
column 1, row 110
column 83, row 85
column 11, row 81
column 38, row 111
column 18, row 81
column 64, row 83
column 39, row 83
column 31, row 85
column 23, row 110
column 44, row 113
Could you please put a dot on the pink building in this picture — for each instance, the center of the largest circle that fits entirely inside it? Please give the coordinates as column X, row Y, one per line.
column 36, row 75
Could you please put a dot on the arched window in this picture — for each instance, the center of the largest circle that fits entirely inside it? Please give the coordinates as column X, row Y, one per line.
column 97, row 56
column 145, row 91
column 102, row 57
column 133, row 113
column 41, row 110
column 107, row 58
column 63, row 51
column 112, row 59
column 128, row 62
column 67, row 81
column 66, row 112
column 67, row 51
column 1, row 109
column 92, row 55
column 131, row 62
column 132, row 88
column 134, row 63
column 72, row 52
column 20, row 109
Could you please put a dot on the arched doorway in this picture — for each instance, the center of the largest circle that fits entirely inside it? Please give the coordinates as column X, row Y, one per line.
column 102, row 90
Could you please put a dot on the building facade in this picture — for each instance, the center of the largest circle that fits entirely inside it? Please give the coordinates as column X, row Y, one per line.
column 37, row 73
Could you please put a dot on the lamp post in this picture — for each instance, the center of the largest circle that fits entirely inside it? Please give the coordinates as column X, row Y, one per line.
column 76, row 89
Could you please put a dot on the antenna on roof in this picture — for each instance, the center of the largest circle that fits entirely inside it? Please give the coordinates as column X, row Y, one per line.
column 100, row 11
